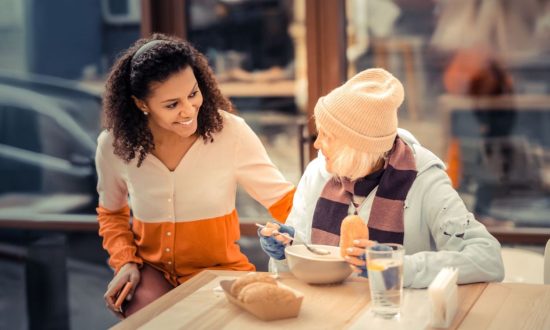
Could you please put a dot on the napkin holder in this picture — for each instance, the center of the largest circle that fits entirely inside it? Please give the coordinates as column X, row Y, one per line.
column 443, row 295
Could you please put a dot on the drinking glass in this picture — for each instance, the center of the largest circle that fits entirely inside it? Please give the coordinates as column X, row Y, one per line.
column 385, row 269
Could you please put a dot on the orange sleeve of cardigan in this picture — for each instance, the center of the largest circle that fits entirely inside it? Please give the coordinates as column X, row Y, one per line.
column 281, row 209
column 118, row 238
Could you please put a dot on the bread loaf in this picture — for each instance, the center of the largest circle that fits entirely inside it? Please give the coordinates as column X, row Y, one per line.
column 260, row 288
column 261, row 292
column 243, row 281
column 352, row 228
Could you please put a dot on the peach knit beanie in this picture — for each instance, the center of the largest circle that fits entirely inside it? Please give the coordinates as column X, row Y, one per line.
column 362, row 113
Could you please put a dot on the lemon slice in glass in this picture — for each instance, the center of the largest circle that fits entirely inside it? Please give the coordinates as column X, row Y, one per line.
column 376, row 266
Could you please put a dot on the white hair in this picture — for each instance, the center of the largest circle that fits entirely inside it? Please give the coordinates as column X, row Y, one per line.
column 354, row 164
column 350, row 163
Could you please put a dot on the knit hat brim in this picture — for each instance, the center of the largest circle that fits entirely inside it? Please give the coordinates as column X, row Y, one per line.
column 354, row 139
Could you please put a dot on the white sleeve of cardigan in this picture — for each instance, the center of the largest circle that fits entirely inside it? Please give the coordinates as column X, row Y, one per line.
column 255, row 171
column 112, row 189
column 460, row 240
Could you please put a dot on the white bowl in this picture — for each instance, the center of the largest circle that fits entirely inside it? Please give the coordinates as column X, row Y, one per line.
column 317, row 269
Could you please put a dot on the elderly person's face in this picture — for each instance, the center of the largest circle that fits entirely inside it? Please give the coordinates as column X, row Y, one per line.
column 345, row 161
column 327, row 145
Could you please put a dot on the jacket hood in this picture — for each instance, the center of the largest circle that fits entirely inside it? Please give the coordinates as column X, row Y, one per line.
column 425, row 159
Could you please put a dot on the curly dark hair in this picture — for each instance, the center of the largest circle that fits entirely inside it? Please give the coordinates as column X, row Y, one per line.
column 133, row 75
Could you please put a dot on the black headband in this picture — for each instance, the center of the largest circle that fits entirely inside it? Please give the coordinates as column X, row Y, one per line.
column 146, row 47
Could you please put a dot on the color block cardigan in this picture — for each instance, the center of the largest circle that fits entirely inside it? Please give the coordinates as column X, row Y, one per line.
column 185, row 220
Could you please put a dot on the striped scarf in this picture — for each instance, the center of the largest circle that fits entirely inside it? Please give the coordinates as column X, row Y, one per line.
column 386, row 216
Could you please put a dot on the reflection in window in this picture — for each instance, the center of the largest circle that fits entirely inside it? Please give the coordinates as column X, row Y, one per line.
column 244, row 37
column 40, row 158
column 12, row 30
column 40, row 37
column 48, row 124
column 477, row 83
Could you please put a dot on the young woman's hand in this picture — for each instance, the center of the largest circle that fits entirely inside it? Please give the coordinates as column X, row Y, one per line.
column 356, row 256
column 128, row 273
column 272, row 242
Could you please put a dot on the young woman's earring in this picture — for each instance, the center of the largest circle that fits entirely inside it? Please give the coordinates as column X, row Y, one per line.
column 145, row 113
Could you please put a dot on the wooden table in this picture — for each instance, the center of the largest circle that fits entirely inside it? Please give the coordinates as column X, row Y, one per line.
column 510, row 306
column 197, row 304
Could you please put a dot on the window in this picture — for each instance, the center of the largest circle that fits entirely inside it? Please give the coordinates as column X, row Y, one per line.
column 256, row 49
column 45, row 158
column 477, row 85
column 49, row 112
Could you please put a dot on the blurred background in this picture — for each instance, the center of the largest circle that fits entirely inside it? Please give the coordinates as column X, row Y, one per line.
column 477, row 82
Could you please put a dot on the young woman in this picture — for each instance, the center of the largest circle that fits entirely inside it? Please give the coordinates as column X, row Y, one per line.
column 172, row 146
column 400, row 190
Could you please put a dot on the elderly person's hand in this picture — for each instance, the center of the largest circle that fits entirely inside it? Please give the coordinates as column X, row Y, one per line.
column 271, row 240
column 356, row 255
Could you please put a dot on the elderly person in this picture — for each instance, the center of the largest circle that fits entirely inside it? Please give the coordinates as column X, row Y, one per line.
column 369, row 167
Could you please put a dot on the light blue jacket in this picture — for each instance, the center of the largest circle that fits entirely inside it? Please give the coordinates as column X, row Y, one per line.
column 439, row 230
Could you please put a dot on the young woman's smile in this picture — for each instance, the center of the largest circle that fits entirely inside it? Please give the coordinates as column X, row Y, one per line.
column 174, row 104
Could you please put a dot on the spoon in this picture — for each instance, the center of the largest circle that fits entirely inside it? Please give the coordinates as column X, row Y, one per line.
column 315, row 250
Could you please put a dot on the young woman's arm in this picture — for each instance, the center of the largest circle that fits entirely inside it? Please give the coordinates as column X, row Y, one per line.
column 113, row 212
column 259, row 176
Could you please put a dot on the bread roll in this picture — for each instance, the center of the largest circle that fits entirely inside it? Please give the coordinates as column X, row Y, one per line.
column 243, row 281
column 352, row 228
column 261, row 292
